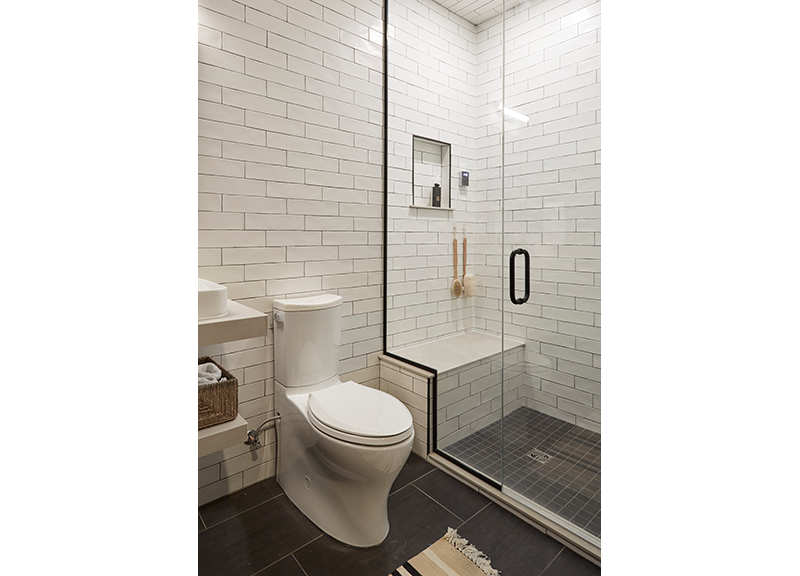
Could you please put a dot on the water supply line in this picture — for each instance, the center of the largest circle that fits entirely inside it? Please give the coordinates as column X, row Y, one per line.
column 252, row 435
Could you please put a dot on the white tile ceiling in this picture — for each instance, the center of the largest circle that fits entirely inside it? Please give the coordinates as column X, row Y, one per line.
column 477, row 11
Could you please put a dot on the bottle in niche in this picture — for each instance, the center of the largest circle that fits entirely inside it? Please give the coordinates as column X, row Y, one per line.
column 436, row 198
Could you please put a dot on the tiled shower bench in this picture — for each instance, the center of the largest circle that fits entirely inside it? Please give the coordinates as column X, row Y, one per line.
column 468, row 373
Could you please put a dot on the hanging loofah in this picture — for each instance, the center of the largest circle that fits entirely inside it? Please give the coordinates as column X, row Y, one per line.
column 476, row 556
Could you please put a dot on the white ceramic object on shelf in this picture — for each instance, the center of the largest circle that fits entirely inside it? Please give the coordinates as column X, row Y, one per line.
column 212, row 299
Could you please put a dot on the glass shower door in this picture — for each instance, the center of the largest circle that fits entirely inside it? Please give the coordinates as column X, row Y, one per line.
column 550, row 218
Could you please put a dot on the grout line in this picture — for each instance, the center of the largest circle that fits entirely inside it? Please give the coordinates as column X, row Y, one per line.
column 243, row 511
column 489, row 503
column 553, row 560
column 412, row 482
column 439, row 503
column 282, row 558
column 203, row 521
column 298, row 563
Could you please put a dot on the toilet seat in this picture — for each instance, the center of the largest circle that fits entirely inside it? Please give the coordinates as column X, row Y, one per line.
column 360, row 415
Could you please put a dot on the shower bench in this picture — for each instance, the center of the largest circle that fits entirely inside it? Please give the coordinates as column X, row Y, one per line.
column 468, row 384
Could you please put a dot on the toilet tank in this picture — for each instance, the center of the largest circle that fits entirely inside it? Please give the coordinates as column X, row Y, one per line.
column 307, row 337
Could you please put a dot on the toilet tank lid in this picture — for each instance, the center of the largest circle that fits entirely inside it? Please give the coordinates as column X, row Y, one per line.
column 319, row 302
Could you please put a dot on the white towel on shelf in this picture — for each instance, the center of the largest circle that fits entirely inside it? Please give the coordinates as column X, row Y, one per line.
column 208, row 373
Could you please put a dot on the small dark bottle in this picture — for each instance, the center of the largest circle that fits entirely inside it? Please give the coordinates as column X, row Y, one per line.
column 436, row 199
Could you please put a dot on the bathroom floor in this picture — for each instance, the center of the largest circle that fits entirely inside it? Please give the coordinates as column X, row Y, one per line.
column 567, row 483
column 257, row 530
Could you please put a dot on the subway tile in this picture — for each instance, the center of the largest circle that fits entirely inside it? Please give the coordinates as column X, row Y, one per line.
column 253, row 102
column 253, row 51
column 232, row 203
column 220, row 112
column 272, row 222
column 304, row 254
column 272, row 271
column 275, row 74
column 232, row 256
column 215, row 57
column 220, row 221
column 230, row 132
column 231, row 26
column 294, row 95
column 220, row 167
column 250, row 153
column 293, row 238
column 274, row 173
column 209, row 36
column 294, row 286
column 228, row 239
column 227, row 185
column 230, row 79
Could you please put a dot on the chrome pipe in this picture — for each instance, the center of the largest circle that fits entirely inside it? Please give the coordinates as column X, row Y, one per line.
column 252, row 435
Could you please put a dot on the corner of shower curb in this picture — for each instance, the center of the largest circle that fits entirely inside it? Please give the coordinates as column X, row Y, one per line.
column 568, row 538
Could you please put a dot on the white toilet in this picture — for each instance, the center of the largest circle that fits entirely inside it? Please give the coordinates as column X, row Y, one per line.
column 340, row 444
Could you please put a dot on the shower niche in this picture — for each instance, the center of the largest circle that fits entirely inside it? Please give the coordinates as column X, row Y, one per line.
column 431, row 174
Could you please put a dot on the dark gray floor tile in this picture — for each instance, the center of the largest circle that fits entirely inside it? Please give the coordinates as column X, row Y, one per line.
column 286, row 567
column 515, row 547
column 241, row 500
column 200, row 525
column 413, row 469
column 569, row 563
column 457, row 497
column 415, row 522
column 254, row 539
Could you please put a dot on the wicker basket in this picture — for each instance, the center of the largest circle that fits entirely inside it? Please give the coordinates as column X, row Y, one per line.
column 219, row 402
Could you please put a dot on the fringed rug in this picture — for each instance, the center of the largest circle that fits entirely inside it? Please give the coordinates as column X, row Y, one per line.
column 451, row 555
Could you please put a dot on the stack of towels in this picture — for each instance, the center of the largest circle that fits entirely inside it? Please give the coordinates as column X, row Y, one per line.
column 209, row 373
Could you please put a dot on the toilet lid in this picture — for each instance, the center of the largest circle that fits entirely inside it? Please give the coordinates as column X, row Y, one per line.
column 356, row 413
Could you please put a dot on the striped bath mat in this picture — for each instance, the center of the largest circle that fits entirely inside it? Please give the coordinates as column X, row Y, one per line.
column 451, row 555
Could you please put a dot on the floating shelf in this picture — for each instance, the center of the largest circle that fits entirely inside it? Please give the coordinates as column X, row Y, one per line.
column 220, row 436
column 239, row 323
column 430, row 207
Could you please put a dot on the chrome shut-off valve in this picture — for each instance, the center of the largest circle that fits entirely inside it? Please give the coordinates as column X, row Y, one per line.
column 252, row 438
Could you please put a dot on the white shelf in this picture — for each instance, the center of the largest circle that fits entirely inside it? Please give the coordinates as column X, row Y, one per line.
column 221, row 436
column 239, row 323
column 430, row 207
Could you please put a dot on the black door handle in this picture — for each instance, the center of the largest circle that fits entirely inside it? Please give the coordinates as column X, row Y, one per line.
column 524, row 299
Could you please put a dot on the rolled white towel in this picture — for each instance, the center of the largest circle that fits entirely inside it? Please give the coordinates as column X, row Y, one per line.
column 209, row 370
column 208, row 373
column 207, row 380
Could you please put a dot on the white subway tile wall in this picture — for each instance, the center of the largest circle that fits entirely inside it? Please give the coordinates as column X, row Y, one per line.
column 445, row 84
column 552, row 191
column 431, row 95
column 290, row 187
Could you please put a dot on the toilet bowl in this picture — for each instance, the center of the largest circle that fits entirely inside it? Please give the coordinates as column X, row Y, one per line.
column 340, row 444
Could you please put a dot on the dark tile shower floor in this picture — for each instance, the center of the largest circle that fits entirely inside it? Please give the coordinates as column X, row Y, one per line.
column 567, row 483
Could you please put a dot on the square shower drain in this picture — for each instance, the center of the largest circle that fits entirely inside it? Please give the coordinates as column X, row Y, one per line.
column 540, row 456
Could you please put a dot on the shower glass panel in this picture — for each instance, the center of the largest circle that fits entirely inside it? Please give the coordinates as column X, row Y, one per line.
column 511, row 90
column 551, row 186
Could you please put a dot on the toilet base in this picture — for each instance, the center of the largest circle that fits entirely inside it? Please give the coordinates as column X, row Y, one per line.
column 343, row 488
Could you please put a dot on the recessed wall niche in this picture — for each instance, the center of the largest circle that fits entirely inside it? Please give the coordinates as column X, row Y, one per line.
column 431, row 166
